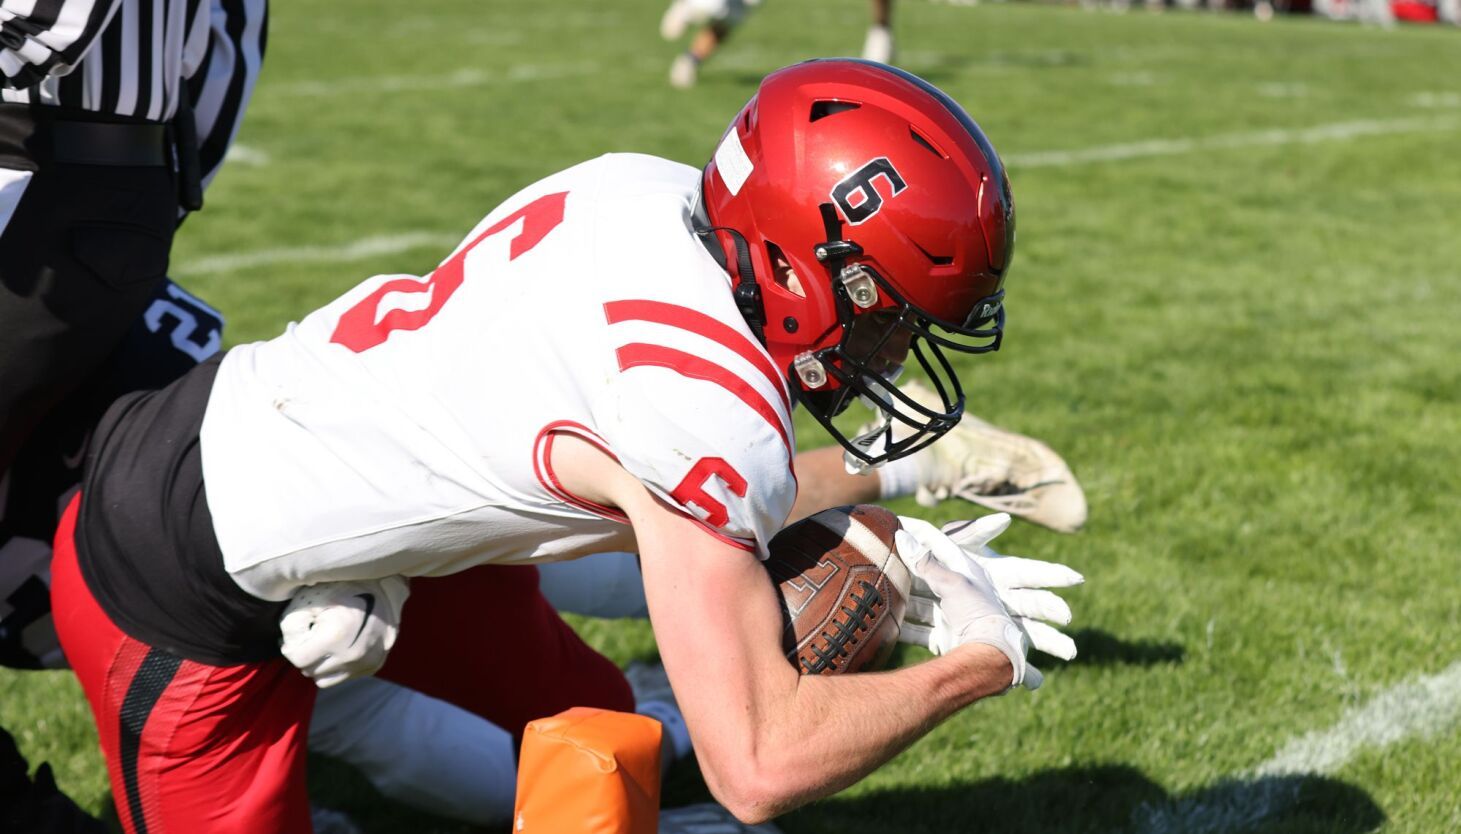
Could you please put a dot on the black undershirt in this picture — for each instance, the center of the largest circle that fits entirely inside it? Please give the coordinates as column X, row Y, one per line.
column 145, row 539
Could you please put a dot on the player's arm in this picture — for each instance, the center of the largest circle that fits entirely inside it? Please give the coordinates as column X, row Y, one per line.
column 767, row 738
column 34, row 46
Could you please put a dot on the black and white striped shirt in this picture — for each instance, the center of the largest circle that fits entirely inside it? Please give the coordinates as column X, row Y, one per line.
column 134, row 58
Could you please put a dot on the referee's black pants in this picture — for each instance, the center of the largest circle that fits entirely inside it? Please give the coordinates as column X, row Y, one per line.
column 84, row 250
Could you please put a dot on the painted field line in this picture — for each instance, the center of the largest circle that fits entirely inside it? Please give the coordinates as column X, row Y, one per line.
column 1419, row 708
column 352, row 251
column 1338, row 131
column 246, row 155
column 1047, row 159
column 376, row 84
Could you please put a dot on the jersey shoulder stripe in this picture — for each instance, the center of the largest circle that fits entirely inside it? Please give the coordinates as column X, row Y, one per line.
column 638, row 354
column 674, row 315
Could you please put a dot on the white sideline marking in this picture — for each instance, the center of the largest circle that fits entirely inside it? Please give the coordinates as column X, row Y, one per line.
column 1283, row 89
column 1419, row 708
column 246, row 155
column 452, row 80
column 1170, row 147
column 1041, row 159
column 1134, row 79
column 353, row 251
column 1436, row 100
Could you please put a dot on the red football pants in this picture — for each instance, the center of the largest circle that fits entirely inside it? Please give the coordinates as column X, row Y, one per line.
column 199, row 749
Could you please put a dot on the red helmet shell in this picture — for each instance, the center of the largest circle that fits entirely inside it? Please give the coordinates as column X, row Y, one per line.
column 916, row 185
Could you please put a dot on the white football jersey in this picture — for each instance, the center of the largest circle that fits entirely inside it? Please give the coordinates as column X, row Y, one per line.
column 405, row 428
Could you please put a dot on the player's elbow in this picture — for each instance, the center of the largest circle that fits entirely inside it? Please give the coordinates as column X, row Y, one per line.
column 748, row 801
column 753, row 790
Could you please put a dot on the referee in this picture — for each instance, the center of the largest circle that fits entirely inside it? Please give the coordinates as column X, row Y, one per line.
column 100, row 153
column 114, row 115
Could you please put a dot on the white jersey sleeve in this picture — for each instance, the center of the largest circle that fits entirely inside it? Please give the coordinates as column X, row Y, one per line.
column 699, row 415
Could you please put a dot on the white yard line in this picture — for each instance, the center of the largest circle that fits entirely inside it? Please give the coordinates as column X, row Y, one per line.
column 353, row 251
column 1337, row 131
column 377, row 84
column 246, row 155
column 1441, row 100
column 370, row 246
column 1417, row 709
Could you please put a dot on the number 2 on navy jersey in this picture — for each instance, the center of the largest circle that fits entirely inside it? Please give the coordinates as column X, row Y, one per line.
column 365, row 325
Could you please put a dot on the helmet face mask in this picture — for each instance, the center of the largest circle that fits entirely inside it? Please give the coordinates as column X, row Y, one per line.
column 891, row 210
column 867, row 360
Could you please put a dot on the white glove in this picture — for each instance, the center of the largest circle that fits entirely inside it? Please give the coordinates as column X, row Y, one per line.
column 335, row 631
column 1018, row 583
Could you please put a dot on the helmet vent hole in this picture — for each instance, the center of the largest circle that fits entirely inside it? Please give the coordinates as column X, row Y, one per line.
column 823, row 109
column 936, row 260
column 782, row 272
column 917, row 137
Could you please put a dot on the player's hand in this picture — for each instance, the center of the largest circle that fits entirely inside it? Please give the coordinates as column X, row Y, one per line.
column 335, row 631
column 1019, row 586
column 1021, row 583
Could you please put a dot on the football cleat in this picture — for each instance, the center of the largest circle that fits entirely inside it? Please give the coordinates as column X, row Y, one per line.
column 999, row 469
column 707, row 818
column 683, row 71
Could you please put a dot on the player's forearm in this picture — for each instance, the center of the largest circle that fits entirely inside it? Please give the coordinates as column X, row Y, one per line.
column 835, row 730
column 824, row 482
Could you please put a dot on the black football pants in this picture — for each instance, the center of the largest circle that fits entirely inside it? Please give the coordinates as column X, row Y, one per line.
column 79, row 260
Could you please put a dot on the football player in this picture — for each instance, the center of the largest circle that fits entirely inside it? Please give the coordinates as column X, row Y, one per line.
column 716, row 19
column 424, row 751
column 852, row 216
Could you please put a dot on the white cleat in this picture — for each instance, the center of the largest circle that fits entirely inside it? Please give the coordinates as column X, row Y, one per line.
column 683, row 71
column 879, row 45
column 999, row 469
column 707, row 818
column 676, row 20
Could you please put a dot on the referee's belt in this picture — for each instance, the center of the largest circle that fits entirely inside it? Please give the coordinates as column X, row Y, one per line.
column 106, row 143
column 66, row 138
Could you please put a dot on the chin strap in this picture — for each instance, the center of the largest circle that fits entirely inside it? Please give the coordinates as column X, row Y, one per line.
column 834, row 251
column 747, row 292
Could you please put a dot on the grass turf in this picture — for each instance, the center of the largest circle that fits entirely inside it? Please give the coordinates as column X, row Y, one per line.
column 1247, row 348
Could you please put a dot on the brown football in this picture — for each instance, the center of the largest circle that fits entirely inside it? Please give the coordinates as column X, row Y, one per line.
column 843, row 589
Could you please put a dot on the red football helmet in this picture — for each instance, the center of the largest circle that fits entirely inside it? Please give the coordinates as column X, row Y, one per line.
column 864, row 215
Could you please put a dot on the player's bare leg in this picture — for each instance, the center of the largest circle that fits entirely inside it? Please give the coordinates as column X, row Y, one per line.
column 977, row 462
column 822, row 482
column 685, row 69
column 879, row 43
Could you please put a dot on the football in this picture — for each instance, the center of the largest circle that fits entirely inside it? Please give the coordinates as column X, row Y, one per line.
column 843, row 589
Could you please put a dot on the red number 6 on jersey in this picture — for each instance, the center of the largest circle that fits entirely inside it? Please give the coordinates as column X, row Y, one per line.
column 692, row 489
column 364, row 326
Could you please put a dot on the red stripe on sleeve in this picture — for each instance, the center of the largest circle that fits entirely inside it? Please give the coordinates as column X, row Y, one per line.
column 688, row 365
column 694, row 321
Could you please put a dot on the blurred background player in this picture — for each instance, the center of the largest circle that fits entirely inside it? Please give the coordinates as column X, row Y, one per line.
column 716, row 19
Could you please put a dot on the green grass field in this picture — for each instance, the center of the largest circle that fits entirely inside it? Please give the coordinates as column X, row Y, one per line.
column 1236, row 309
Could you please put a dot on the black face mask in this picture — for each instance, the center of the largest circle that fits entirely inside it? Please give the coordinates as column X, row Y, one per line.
column 867, row 359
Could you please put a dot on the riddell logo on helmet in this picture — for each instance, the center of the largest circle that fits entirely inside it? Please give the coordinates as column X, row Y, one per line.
column 858, row 197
